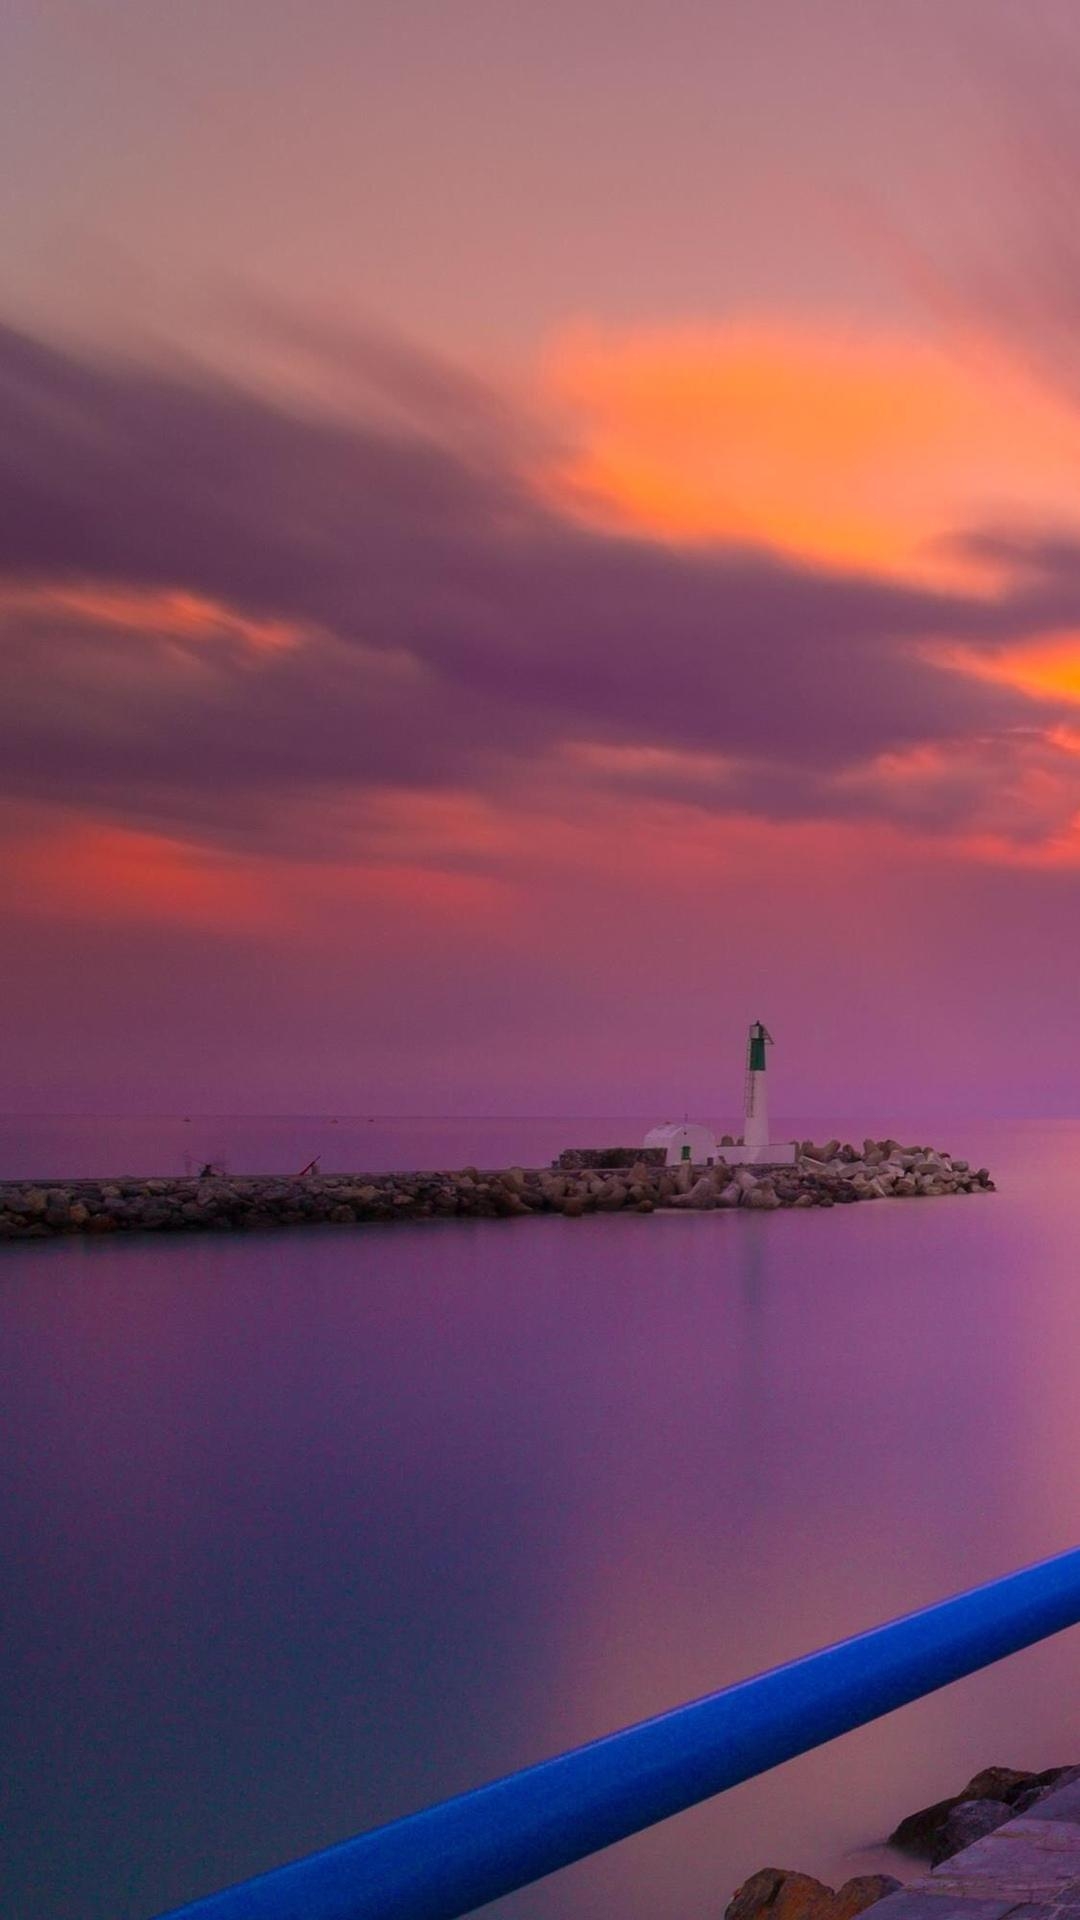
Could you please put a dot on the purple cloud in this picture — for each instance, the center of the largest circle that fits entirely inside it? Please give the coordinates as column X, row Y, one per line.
column 452, row 630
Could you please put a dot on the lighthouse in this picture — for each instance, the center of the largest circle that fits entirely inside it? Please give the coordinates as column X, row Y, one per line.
column 756, row 1105
column 697, row 1144
column 755, row 1148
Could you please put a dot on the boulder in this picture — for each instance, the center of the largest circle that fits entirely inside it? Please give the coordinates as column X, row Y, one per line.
column 863, row 1891
column 1002, row 1783
column 611, row 1197
column 506, row 1201
column 776, row 1892
column 700, row 1197
column 780, row 1895
column 1045, row 1782
column 924, row 1832
column 968, row 1822
column 920, row 1832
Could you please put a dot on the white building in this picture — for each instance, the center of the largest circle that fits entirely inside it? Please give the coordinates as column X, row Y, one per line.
column 685, row 1141
column 697, row 1145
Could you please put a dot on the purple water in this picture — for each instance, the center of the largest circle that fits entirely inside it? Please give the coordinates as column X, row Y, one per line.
column 304, row 1530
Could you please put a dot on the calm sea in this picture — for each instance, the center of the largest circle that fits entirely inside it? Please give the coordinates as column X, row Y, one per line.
column 303, row 1531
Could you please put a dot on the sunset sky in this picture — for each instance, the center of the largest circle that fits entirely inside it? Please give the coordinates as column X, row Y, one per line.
column 532, row 536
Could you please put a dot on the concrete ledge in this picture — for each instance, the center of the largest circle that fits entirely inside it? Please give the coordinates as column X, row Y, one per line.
column 777, row 1153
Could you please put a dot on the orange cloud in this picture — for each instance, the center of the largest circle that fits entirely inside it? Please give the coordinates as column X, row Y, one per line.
column 642, row 762
column 95, row 871
column 1046, row 669
column 855, row 449
column 170, row 612
column 1059, row 853
column 98, row 872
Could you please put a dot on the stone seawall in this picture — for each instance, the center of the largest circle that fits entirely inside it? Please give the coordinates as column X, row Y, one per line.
column 828, row 1176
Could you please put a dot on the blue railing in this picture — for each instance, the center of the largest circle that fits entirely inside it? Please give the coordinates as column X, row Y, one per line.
column 464, row 1852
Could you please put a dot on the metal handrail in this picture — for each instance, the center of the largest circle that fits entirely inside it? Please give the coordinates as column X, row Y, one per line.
column 458, row 1855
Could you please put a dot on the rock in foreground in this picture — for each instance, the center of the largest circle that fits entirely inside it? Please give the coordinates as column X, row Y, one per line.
column 990, row 1798
column 773, row 1894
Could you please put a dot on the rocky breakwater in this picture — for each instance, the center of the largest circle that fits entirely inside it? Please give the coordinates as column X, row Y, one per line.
column 832, row 1175
column 994, row 1796
column 828, row 1176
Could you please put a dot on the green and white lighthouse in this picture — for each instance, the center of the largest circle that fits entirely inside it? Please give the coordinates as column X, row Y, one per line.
column 756, row 1106
column 698, row 1144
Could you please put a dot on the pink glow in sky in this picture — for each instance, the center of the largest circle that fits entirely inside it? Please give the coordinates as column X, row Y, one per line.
column 529, row 541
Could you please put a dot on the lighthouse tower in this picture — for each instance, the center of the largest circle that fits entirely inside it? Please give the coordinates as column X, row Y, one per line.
column 755, row 1148
column 756, row 1106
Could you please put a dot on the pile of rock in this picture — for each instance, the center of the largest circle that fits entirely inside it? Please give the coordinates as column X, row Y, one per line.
column 993, row 1796
column 887, row 1168
column 774, row 1894
column 832, row 1175
column 935, row 1833
column 821, row 1177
